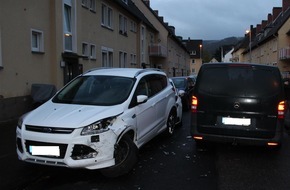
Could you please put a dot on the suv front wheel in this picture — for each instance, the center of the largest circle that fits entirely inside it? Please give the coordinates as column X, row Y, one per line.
column 125, row 154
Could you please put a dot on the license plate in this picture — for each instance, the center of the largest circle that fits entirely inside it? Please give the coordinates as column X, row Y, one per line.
column 44, row 150
column 236, row 121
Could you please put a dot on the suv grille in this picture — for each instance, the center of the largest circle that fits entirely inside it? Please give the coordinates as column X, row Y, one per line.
column 56, row 130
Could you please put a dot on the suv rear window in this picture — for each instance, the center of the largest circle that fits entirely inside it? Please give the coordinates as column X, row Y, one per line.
column 240, row 81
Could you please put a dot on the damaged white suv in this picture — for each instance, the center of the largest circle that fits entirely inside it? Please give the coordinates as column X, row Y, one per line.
column 99, row 120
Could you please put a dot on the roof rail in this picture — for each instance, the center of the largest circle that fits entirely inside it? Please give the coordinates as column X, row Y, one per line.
column 98, row 68
column 147, row 70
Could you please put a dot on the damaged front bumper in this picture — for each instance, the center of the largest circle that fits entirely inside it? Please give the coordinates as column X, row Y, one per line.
column 67, row 150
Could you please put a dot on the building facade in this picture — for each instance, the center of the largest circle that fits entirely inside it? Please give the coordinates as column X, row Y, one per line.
column 53, row 41
column 269, row 42
column 195, row 48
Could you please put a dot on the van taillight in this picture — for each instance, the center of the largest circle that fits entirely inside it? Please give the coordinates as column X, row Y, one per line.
column 281, row 110
column 193, row 104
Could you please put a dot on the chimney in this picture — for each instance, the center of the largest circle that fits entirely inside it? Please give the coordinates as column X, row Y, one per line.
column 147, row 2
column 276, row 11
column 156, row 12
column 172, row 29
column 286, row 5
column 270, row 18
column 264, row 24
column 259, row 28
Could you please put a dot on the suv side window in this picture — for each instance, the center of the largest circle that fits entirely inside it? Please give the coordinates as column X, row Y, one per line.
column 149, row 86
column 156, row 84
column 142, row 89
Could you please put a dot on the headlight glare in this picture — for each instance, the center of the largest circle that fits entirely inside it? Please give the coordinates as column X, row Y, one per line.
column 20, row 122
column 97, row 127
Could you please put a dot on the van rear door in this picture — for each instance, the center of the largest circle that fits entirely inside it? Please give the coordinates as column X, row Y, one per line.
column 238, row 100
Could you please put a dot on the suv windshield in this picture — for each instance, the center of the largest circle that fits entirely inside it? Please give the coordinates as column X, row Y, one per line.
column 243, row 81
column 96, row 90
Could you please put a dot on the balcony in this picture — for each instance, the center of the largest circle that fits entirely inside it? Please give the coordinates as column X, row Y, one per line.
column 157, row 50
column 284, row 53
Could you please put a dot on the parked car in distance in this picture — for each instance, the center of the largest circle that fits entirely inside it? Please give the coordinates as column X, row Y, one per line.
column 238, row 103
column 193, row 77
column 99, row 120
column 186, row 84
column 178, row 95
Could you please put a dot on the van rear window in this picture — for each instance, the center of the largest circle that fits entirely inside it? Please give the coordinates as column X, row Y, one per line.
column 239, row 81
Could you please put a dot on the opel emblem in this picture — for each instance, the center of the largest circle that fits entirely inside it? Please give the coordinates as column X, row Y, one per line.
column 236, row 105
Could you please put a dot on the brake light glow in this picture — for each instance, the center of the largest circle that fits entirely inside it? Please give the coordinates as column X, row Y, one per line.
column 281, row 110
column 272, row 144
column 198, row 137
column 194, row 104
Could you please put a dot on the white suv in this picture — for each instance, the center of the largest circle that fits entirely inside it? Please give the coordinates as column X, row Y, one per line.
column 99, row 120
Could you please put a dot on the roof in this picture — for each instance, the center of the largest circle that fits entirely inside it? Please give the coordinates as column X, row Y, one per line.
column 124, row 72
column 271, row 30
column 133, row 9
column 238, row 63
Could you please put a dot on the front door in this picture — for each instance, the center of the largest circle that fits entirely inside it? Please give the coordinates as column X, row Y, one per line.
column 72, row 67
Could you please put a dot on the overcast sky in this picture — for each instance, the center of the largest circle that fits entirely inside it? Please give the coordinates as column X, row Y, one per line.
column 213, row 19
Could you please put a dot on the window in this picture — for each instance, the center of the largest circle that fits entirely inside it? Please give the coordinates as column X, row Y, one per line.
column 68, row 33
column 243, row 81
column 123, row 25
column 85, row 3
column 133, row 59
column 93, row 51
column 107, row 16
column 85, row 49
column 122, row 59
column 107, row 57
column 143, row 45
column 93, row 5
column 151, row 37
column 156, row 83
column 36, row 41
column 1, row 62
column 193, row 52
column 133, row 26
column 275, row 45
column 89, row 4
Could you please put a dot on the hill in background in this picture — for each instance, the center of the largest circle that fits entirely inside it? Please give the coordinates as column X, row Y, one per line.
column 213, row 48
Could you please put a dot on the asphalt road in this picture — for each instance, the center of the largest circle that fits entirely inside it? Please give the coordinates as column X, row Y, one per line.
column 164, row 163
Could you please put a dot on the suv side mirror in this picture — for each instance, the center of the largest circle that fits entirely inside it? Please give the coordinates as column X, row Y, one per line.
column 181, row 93
column 141, row 99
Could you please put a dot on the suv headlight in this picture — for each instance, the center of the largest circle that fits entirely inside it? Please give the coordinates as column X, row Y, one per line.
column 20, row 121
column 98, row 127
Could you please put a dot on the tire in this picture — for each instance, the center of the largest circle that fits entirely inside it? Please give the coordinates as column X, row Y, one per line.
column 126, row 155
column 171, row 123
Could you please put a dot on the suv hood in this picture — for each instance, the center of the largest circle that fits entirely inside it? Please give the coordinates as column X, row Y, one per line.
column 70, row 115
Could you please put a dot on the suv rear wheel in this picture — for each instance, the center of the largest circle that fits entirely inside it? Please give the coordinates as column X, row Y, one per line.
column 171, row 123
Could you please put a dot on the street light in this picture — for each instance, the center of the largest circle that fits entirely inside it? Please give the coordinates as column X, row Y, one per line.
column 200, row 47
column 249, row 32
